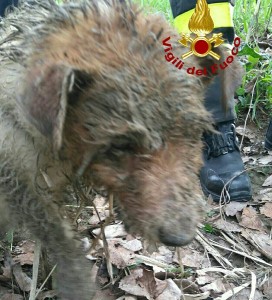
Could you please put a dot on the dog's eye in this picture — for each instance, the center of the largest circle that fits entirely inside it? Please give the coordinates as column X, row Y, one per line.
column 124, row 147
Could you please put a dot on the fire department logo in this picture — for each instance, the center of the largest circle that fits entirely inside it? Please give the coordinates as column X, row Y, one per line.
column 201, row 24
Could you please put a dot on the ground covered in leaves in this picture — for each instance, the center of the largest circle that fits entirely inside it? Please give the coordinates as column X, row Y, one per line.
column 230, row 258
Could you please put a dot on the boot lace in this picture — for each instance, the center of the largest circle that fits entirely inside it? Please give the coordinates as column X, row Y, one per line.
column 222, row 143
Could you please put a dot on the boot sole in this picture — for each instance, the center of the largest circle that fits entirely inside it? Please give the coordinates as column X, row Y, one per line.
column 216, row 198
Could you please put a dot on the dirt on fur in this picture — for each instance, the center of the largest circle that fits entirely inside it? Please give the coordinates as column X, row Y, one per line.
column 87, row 97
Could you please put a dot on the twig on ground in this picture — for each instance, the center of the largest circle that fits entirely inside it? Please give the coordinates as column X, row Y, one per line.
column 180, row 261
column 234, row 291
column 256, row 259
column 37, row 252
column 43, row 284
column 111, row 206
column 234, row 273
column 249, row 110
column 253, row 286
column 215, row 253
column 233, row 241
column 152, row 261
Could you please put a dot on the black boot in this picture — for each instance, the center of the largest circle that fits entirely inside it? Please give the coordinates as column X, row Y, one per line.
column 268, row 137
column 4, row 4
column 222, row 162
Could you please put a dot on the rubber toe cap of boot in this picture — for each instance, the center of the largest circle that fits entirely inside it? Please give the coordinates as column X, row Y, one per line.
column 226, row 173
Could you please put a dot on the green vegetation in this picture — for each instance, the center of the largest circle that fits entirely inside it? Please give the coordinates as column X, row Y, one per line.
column 252, row 18
column 209, row 228
column 253, row 24
column 155, row 6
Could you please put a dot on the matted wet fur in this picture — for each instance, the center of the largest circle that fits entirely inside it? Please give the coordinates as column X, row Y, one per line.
column 86, row 94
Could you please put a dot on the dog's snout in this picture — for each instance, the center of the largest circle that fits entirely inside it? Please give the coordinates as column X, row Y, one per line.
column 175, row 239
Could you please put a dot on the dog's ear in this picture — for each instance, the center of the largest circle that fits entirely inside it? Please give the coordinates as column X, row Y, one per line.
column 43, row 96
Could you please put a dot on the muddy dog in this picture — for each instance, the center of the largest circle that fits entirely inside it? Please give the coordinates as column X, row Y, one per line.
column 86, row 95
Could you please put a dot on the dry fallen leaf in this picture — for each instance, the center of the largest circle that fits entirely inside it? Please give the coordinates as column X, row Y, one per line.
column 171, row 291
column 246, row 159
column 192, row 258
column 22, row 279
column 140, row 283
column 267, row 209
column 112, row 231
column 266, row 197
column 201, row 296
column 46, row 295
column 268, row 181
column 247, row 150
column 250, row 219
column 132, row 245
column 127, row 297
column 233, row 207
column 245, row 293
column 104, row 295
column 120, row 256
column 157, row 266
column 188, row 285
column 267, row 288
column 164, row 255
column 265, row 191
column 227, row 226
column 7, row 272
column 24, row 259
column 204, row 279
column 25, row 252
column 25, row 247
column 216, row 286
column 260, row 241
column 247, row 132
column 103, row 214
column 250, row 160
column 265, row 160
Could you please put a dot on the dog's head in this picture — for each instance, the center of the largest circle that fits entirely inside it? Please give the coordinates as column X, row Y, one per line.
column 96, row 83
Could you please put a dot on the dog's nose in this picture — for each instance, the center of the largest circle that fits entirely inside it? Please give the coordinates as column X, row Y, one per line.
column 174, row 239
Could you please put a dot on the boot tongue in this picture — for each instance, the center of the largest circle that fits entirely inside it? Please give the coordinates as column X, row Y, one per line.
column 223, row 142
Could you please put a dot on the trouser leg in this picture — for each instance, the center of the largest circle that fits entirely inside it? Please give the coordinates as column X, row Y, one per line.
column 268, row 137
column 182, row 9
column 223, row 168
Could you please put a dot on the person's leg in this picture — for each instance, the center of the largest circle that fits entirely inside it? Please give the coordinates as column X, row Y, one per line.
column 268, row 137
column 222, row 159
column 4, row 4
column 182, row 11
